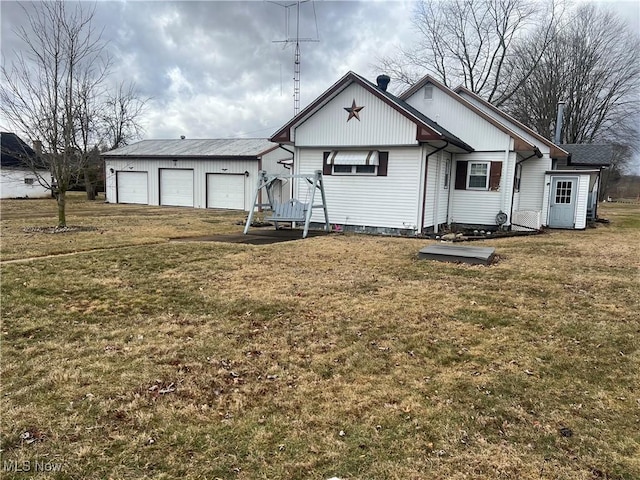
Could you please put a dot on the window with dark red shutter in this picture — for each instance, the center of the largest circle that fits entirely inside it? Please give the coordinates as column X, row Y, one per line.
column 461, row 175
column 326, row 167
column 383, row 163
column 494, row 176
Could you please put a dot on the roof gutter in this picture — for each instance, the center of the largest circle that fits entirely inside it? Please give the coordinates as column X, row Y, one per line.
column 537, row 153
column 424, row 192
column 285, row 149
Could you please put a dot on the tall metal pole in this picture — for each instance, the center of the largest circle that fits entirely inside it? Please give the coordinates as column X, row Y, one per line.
column 296, row 53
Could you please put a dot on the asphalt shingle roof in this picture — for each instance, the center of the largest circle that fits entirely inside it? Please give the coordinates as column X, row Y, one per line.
column 589, row 154
column 14, row 150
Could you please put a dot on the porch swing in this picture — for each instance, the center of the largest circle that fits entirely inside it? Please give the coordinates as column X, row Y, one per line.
column 292, row 211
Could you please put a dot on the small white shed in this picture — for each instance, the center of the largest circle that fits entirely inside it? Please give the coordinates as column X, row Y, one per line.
column 207, row 173
column 566, row 198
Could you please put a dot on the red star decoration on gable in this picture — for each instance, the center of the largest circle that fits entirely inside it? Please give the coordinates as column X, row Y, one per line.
column 354, row 111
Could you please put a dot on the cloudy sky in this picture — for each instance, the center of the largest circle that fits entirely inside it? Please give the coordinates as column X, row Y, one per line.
column 211, row 68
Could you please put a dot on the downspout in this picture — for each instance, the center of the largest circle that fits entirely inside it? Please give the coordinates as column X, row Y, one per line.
column 260, row 192
column 451, row 188
column 595, row 206
column 424, row 192
column 293, row 161
column 286, row 149
column 515, row 172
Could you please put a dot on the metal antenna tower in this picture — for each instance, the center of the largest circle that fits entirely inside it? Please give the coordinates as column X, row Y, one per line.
column 291, row 40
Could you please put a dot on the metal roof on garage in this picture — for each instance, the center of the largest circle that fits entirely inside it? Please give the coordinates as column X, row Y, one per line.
column 220, row 147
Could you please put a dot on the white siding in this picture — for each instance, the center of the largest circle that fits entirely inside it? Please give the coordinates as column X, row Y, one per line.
column 432, row 182
column 437, row 200
column 509, row 124
column 270, row 160
column 200, row 170
column 582, row 201
column 379, row 123
column 443, row 202
column 481, row 206
column 391, row 201
column 12, row 184
column 532, row 183
column 459, row 120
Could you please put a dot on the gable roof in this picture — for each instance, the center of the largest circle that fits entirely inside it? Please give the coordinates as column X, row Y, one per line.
column 14, row 151
column 196, row 148
column 555, row 150
column 520, row 143
column 589, row 154
column 427, row 129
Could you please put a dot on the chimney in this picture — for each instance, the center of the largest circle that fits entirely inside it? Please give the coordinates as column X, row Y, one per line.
column 37, row 147
column 383, row 81
column 558, row 136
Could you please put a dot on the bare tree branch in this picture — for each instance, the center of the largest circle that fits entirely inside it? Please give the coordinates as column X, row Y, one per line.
column 594, row 67
column 55, row 91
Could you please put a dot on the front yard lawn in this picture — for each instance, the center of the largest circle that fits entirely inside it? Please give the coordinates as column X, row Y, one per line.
column 341, row 355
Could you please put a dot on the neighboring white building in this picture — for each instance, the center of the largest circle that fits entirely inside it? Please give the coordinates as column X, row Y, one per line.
column 16, row 179
column 431, row 157
column 215, row 173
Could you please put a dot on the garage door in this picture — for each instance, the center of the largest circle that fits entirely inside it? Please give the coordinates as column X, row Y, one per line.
column 132, row 187
column 176, row 187
column 225, row 191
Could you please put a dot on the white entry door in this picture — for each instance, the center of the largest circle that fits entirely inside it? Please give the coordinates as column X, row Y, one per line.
column 132, row 187
column 176, row 187
column 562, row 204
column 225, row 191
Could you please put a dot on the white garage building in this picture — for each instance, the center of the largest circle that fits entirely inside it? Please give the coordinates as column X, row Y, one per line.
column 218, row 173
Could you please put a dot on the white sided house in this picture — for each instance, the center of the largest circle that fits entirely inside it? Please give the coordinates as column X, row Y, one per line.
column 18, row 178
column 380, row 158
column 216, row 173
column 414, row 163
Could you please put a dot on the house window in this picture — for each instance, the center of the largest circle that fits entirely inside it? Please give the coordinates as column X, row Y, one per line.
column 447, row 173
column 28, row 181
column 428, row 92
column 563, row 192
column 478, row 176
column 355, row 162
column 354, row 170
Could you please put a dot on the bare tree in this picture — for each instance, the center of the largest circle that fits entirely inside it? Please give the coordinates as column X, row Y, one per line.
column 594, row 66
column 469, row 42
column 105, row 123
column 55, row 91
column 123, row 108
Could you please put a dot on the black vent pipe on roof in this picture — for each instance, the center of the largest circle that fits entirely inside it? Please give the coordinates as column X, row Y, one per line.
column 383, row 81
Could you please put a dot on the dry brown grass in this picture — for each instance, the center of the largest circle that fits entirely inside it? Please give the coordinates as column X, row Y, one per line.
column 116, row 225
column 188, row 360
